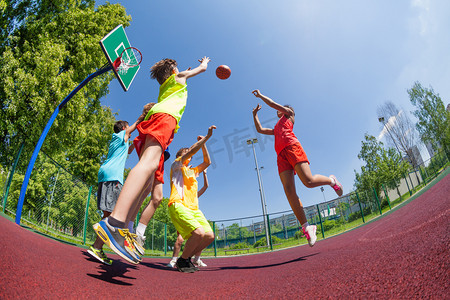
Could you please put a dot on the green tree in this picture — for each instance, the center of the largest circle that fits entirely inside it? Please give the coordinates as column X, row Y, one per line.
column 434, row 119
column 47, row 49
column 382, row 166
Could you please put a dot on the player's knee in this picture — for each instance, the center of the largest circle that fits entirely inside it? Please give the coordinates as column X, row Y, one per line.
column 209, row 236
column 308, row 184
column 199, row 232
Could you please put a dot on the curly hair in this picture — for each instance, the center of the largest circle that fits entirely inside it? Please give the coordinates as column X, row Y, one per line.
column 162, row 69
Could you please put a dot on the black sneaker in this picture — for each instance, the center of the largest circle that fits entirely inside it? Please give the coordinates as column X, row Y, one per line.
column 184, row 265
column 192, row 265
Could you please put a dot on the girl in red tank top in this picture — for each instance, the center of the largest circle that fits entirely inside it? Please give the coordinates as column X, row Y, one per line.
column 291, row 159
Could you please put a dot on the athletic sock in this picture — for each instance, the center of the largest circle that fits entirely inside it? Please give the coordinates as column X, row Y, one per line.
column 115, row 223
column 305, row 225
column 131, row 226
column 333, row 182
column 140, row 229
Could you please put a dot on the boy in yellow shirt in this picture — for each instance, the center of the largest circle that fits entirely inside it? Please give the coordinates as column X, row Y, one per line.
column 183, row 203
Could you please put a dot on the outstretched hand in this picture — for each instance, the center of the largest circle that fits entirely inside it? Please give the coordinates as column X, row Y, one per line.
column 205, row 60
column 210, row 129
column 256, row 109
column 257, row 93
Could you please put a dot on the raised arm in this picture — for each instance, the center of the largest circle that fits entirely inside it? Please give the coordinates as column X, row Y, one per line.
column 258, row 126
column 184, row 75
column 131, row 148
column 205, row 184
column 283, row 109
column 129, row 130
column 206, row 158
column 194, row 148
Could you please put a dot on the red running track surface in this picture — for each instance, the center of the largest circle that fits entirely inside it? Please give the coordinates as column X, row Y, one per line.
column 402, row 255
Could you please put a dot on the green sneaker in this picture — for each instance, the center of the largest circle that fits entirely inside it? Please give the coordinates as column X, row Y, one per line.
column 100, row 255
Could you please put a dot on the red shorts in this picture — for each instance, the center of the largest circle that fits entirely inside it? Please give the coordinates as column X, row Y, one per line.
column 161, row 127
column 290, row 156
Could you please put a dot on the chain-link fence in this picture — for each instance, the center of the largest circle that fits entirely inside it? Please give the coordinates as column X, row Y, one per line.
column 62, row 206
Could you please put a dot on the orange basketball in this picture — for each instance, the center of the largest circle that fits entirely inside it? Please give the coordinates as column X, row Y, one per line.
column 223, row 72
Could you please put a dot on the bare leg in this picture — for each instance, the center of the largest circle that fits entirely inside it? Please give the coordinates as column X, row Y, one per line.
column 308, row 179
column 177, row 246
column 207, row 239
column 98, row 244
column 288, row 181
column 134, row 211
column 193, row 242
column 149, row 211
column 137, row 179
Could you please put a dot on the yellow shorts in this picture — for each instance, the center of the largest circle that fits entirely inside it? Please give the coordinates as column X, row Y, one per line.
column 187, row 220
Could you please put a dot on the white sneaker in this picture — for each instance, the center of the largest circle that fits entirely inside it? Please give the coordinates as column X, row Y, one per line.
column 337, row 187
column 172, row 263
column 199, row 263
column 310, row 233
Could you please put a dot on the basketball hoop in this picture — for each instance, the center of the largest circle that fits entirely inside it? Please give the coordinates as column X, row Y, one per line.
column 129, row 58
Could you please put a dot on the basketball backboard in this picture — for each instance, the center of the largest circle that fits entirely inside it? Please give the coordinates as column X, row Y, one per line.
column 112, row 45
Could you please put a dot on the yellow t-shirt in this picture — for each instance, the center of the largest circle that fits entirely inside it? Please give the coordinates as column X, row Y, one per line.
column 184, row 185
column 171, row 100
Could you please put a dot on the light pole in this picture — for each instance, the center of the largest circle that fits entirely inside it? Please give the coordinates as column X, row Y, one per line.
column 323, row 193
column 261, row 191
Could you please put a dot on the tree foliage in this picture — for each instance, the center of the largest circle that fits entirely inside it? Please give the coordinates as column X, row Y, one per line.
column 47, row 49
column 434, row 119
column 382, row 166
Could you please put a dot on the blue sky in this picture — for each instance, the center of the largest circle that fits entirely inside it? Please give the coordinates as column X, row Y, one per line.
column 335, row 62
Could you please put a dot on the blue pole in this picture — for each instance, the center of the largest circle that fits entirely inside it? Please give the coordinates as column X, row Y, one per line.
column 23, row 190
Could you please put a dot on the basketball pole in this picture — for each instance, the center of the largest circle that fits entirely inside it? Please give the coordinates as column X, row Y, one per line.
column 23, row 190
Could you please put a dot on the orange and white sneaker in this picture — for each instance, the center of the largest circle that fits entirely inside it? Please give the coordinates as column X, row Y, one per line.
column 337, row 186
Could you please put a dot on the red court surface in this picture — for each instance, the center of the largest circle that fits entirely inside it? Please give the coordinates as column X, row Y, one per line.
column 403, row 255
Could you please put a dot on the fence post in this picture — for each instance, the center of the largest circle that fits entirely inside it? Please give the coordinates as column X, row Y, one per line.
column 269, row 242
column 320, row 220
column 360, row 207
column 378, row 201
column 86, row 214
column 387, row 197
column 406, row 180
column 215, row 239
column 165, row 238
column 13, row 169
column 424, row 178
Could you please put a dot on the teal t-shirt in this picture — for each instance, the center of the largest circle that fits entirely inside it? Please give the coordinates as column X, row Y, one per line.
column 112, row 168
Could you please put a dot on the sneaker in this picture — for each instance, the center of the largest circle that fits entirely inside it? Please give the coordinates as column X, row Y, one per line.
column 139, row 242
column 310, row 233
column 136, row 253
column 118, row 239
column 172, row 263
column 199, row 263
column 192, row 265
column 185, row 265
column 337, row 186
column 100, row 255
